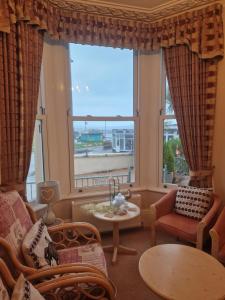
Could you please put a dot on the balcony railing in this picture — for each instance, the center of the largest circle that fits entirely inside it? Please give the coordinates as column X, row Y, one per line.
column 90, row 181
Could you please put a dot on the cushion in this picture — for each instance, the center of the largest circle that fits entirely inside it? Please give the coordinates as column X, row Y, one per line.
column 36, row 246
column 15, row 220
column 24, row 290
column 179, row 226
column 3, row 292
column 92, row 254
column 193, row 202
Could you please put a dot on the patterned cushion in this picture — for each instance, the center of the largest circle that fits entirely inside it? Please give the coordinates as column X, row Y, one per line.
column 92, row 254
column 15, row 220
column 3, row 292
column 24, row 290
column 35, row 246
column 193, row 202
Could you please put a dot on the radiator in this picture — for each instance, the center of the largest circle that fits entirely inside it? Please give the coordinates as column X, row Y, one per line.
column 79, row 214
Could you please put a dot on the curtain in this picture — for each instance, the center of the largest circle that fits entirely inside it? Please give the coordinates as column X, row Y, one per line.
column 192, row 83
column 20, row 63
column 85, row 23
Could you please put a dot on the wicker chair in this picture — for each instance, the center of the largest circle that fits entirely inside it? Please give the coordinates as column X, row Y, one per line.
column 164, row 218
column 67, row 238
column 66, row 286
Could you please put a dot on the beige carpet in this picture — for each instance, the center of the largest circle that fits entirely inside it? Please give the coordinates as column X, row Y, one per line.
column 125, row 272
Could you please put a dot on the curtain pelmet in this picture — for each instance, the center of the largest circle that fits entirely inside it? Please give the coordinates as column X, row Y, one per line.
column 201, row 30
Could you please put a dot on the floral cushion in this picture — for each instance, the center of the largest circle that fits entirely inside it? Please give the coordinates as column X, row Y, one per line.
column 193, row 202
column 3, row 292
column 92, row 254
column 24, row 290
column 36, row 245
column 15, row 220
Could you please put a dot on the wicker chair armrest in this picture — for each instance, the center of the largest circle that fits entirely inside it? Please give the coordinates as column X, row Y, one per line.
column 70, row 232
column 78, row 283
column 65, row 269
column 212, row 213
column 13, row 258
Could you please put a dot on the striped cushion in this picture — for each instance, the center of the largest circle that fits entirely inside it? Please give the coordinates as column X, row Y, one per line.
column 92, row 254
column 193, row 202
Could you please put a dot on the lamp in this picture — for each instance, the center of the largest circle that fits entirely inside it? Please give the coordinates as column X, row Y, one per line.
column 47, row 193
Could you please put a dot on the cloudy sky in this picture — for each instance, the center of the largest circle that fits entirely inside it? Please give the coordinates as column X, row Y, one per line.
column 102, row 80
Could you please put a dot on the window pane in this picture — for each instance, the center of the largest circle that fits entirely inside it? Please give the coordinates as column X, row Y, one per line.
column 175, row 168
column 103, row 149
column 102, row 81
column 36, row 170
column 168, row 101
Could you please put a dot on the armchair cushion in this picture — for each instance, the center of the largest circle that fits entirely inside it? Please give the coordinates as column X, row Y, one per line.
column 178, row 225
column 193, row 202
column 35, row 246
column 24, row 290
column 15, row 220
column 92, row 254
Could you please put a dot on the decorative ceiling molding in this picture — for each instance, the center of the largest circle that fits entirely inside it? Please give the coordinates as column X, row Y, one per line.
column 133, row 13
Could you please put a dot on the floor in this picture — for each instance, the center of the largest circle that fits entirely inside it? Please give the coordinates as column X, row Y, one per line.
column 124, row 273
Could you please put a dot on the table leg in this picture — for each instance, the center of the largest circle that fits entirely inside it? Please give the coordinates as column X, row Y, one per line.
column 116, row 248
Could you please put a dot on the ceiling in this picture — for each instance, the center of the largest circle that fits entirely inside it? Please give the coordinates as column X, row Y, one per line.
column 148, row 4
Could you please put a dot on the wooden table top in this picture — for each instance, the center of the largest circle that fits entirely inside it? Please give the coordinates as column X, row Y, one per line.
column 182, row 273
column 117, row 218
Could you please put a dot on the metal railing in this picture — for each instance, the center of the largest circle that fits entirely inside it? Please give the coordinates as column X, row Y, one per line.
column 89, row 181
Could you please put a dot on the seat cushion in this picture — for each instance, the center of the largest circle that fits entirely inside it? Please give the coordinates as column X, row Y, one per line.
column 179, row 226
column 193, row 202
column 92, row 254
column 15, row 220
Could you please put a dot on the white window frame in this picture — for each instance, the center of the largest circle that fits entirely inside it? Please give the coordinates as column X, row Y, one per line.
column 134, row 118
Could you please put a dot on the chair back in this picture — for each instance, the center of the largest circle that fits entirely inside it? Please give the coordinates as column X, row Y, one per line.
column 15, row 220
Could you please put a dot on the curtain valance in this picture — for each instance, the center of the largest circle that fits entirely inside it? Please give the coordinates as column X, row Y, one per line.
column 201, row 30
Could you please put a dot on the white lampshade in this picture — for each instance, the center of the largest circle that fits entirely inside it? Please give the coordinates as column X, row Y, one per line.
column 48, row 191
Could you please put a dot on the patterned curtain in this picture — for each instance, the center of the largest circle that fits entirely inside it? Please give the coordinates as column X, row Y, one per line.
column 192, row 83
column 83, row 23
column 20, row 63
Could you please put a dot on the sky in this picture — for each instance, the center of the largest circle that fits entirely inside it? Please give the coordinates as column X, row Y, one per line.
column 102, row 80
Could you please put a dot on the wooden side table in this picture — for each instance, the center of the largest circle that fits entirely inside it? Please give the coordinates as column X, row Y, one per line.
column 116, row 247
column 181, row 272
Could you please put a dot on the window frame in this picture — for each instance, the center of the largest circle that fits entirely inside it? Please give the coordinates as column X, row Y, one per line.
column 135, row 118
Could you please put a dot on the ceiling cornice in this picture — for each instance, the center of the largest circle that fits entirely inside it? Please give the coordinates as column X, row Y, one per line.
column 131, row 12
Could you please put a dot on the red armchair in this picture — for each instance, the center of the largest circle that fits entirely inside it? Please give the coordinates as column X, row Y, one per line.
column 165, row 218
column 217, row 234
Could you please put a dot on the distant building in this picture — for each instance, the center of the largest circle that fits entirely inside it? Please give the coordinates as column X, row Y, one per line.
column 123, row 140
column 170, row 131
column 93, row 137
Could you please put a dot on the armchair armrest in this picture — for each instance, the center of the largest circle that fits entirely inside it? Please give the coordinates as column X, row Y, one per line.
column 74, row 234
column 217, row 234
column 207, row 221
column 164, row 205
